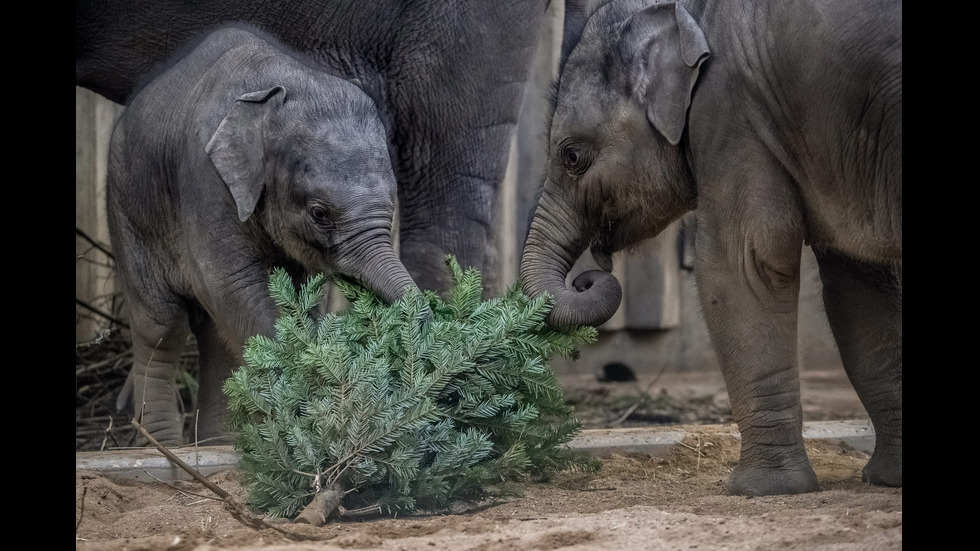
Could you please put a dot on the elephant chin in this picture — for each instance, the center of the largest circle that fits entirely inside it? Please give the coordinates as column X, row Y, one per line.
column 593, row 299
column 602, row 258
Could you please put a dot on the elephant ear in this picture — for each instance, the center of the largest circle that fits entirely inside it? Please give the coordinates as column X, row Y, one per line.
column 237, row 147
column 663, row 48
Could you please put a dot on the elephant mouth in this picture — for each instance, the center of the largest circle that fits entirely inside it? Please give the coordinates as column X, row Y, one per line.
column 604, row 244
column 602, row 256
column 622, row 233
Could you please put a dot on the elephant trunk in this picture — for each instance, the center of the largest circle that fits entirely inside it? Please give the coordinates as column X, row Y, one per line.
column 556, row 239
column 378, row 268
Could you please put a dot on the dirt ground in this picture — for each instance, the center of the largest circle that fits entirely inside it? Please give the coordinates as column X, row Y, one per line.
column 676, row 501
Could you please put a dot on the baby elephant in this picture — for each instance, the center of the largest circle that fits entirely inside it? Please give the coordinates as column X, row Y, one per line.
column 779, row 122
column 236, row 159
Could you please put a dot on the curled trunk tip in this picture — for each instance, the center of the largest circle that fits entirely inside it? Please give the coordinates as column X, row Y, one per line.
column 593, row 299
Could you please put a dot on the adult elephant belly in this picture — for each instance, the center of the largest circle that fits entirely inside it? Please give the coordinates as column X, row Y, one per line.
column 447, row 77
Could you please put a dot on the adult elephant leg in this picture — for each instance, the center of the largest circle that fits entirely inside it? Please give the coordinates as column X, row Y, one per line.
column 864, row 306
column 424, row 244
column 454, row 139
column 216, row 363
column 451, row 213
column 747, row 268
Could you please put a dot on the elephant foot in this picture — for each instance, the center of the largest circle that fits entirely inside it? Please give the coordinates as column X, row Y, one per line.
column 167, row 432
column 884, row 468
column 166, row 426
column 162, row 421
column 754, row 480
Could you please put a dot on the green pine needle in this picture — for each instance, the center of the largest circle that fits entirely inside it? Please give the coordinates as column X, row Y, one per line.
column 411, row 405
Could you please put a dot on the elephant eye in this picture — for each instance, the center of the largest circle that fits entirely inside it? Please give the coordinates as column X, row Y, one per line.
column 575, row 159
column 321, row 215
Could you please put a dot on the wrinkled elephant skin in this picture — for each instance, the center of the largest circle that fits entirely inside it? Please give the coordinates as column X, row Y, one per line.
column 236, row 160
column 780, row 124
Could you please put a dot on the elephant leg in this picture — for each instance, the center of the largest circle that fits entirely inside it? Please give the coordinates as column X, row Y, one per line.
column 436, row 221
column 217, row 361
column 225, row 316
column 748, row 272
column 864, row 307
column 425, row 258
column 151, row 389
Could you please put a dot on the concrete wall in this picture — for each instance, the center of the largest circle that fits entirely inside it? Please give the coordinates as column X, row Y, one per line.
column 659, row 311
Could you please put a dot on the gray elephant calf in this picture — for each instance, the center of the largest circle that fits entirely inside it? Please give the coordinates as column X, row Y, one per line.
column 780, row 123
column 236, row 159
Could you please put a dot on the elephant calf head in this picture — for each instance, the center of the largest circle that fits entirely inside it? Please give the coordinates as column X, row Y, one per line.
column 320, row 159
column 616, row 174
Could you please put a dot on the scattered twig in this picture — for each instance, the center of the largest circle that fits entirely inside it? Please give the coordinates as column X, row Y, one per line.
column 81, row 513
column 106, row 437
column 206, row 441
column 105, row 249
column 99, row 339
column 628, row 412
column 692, row 448
column 698, row 467
column 643, row 396
column 180, row 463
column 110, row 362
column 182, row 492
column 237, row 510
column 95, row 310
column 143, row 393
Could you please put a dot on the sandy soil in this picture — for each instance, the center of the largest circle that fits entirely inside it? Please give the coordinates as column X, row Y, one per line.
column 676, row 501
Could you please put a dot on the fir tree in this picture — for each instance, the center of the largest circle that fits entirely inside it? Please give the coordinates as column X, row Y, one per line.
column 398, row 407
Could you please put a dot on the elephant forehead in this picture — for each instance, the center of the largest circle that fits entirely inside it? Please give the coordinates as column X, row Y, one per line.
column 585, row 107
column 328, row 103
column 334, row 130
column 329, row 149
column 590, row 91
column 329, row 159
